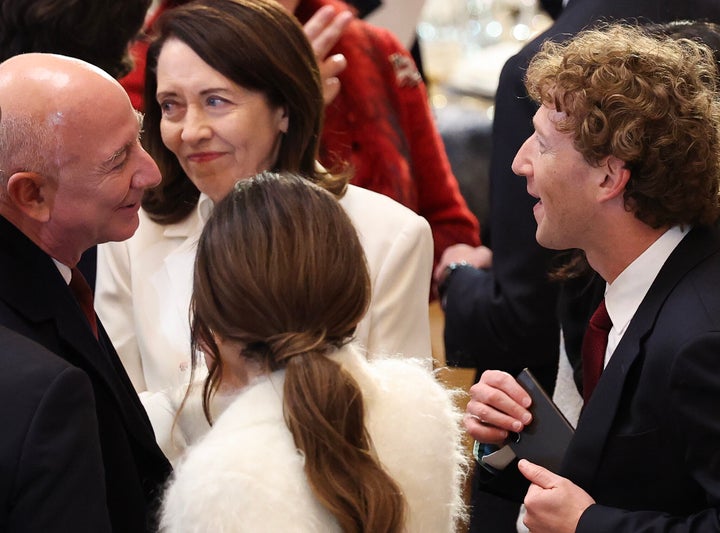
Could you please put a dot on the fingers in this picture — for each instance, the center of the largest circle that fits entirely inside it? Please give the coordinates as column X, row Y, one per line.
column 331, row 88
column 498, row 405
column 325, row 28
column 332, row 66
column 329, row 70
column 483, row 257
column 537, row 475
column 320, row 19
column 483, row 432
column 479, row 257
column 452, row 254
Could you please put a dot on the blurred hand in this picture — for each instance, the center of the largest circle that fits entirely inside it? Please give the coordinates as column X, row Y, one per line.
column 479, row 257
column 323, row 30
column 497, row 406
column 554, row 504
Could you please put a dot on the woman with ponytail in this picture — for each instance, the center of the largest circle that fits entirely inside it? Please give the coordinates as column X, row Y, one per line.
column 315, row 437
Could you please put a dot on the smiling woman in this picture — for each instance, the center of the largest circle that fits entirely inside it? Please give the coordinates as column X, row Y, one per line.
column 212, row 118
column 218, row 130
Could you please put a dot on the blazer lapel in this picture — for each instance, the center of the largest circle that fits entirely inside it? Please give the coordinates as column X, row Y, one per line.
column 584, row 453
column 34, row 288
column 176, row 279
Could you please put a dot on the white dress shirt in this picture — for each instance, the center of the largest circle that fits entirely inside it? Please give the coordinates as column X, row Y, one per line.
column 624, row 295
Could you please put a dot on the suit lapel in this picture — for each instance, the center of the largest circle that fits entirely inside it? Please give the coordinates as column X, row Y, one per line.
column 584, row 454
column 33, row 287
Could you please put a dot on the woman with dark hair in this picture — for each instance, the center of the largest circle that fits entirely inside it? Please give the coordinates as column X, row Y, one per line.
column 316, row 437
column 233, row 89
column 378, row 118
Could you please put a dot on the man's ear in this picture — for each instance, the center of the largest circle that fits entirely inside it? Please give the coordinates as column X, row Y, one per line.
column 617, row 176
column 32, row 194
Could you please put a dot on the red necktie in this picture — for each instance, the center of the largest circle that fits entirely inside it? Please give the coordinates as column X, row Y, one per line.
column 593, row 348
column 84, row 296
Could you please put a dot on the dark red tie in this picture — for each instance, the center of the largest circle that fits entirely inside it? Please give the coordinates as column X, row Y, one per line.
column 84, row 295
column 593, row 348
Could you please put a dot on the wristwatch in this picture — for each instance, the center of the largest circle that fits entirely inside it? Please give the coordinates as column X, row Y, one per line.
column 447, row 274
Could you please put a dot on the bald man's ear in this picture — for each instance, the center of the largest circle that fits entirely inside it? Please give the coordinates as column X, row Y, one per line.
column 32, row 194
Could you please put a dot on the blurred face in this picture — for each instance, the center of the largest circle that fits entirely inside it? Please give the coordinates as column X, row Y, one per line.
column 562, row 181
column 103, row 173
column 219, row 131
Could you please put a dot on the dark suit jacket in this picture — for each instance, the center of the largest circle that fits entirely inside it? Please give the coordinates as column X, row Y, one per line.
column 648, row 440
column 51, row 470
column 506, row 318
column 36, row 302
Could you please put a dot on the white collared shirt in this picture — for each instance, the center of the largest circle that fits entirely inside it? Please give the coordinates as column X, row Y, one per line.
column 65, row 271
column 205, row 207
column 624, row 295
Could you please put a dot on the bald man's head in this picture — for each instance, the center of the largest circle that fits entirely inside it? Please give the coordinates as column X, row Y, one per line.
column 42, row 96
column 70, row 159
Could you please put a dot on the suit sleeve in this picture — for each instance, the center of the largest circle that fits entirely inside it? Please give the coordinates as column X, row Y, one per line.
column 505, row 318
column 693, row 417
column 114, row 306
column 398, row 317
column 60, row 483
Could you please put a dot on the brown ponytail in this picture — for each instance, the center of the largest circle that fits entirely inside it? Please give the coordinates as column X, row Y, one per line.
column 280, row 269
column 324, row 410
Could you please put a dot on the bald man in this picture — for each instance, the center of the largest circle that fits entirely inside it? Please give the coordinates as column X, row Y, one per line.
column 72, row 176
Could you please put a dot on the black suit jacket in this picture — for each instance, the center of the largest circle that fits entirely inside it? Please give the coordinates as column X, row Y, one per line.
column 36, row 302
column 647, row 446
column 51, row 470
column 506, row 318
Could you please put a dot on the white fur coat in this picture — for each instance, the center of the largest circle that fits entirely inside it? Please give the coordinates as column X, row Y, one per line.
column 245, row 475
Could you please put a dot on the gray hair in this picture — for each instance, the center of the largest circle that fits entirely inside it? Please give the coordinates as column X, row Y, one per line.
column 27, row 144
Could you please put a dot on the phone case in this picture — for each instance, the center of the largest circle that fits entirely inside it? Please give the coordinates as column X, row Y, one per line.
column 545, row 440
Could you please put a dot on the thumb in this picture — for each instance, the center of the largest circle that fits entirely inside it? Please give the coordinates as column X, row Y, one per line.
column 538, row 475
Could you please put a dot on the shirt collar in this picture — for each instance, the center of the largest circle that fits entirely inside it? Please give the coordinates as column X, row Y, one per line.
column 65, row 271
column 204, row 207
column 624, row 295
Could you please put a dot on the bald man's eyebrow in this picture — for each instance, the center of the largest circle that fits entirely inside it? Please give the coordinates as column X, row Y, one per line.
column 109, row 163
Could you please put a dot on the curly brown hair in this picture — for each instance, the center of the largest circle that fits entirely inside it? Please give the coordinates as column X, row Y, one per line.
column 649, row 100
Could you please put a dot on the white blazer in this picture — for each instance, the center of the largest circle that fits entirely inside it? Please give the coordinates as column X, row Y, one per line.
column 246, row 475
column 144, row 285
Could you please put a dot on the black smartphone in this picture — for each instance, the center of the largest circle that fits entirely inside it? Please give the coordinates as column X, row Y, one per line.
column 546, row 438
